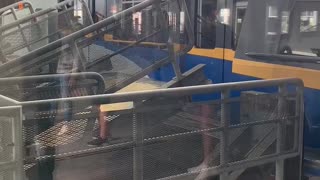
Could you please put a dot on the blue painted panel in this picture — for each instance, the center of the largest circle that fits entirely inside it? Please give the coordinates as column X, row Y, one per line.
column 219, row 71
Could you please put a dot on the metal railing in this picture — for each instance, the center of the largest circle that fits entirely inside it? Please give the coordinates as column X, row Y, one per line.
column 82, row 40
column 11, row 8
column 51, row 86
column 241, row 137
column 40, row 28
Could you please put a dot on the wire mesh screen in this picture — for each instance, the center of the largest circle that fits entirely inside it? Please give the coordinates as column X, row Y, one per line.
column 35, row 31
column 6, row 140
column 7, row 175
column 165, row 137
column 51, row 87
column 11, row 157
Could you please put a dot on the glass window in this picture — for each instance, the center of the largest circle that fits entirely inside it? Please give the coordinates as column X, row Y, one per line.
column 282, row 28
column 285, row 22
column 239, row 15
column 272, row 12
column 207, row 21
column 308, row 21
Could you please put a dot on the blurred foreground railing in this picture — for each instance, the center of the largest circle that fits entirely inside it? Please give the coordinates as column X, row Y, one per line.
column 163, row 135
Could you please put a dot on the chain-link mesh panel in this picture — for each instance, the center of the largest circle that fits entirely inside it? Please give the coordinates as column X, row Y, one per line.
column 6, row 140
column 110, row 165
column 7, row 175
column 165, row 137
column 51, row 138
column 65, row 86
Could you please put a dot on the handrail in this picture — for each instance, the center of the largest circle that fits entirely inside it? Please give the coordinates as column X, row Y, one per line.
column 83, row 32
column 172, row 92
column 33, row 16
column 55, row 77
column 4, row 9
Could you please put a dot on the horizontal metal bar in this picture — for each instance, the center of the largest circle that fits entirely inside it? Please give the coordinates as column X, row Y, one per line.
column 82, row 153
column 14, row 102
column 137, row 76
column 244, row 164
column 15, row 5
column 122, row 49
column 43, row 78
column 33, row 15
column 173, row 92
column 284, row 58
column 210, row 130
column 32, row 23
column 76, row 35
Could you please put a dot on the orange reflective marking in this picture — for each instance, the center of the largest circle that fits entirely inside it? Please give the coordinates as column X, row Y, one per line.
column 20, row 6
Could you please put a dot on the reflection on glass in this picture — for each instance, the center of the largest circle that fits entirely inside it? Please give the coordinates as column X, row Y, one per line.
column 308, row 21
column 285, row 22
column 225, row 16
column 272, row 12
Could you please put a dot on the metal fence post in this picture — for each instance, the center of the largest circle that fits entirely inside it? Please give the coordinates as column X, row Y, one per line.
column 279, row 148
column 137, row 131
column 224, row 133
column 300, row 125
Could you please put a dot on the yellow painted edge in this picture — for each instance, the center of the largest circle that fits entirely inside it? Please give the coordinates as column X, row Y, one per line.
column 109, row 38
column 217, row 53
column 259, row 69
column 211, row 53
column 229, row 54
column 271, row 71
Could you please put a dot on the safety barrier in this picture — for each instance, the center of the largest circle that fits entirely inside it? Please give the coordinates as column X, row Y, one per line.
column 81, row 46
column 34, row 30
column 171, row 134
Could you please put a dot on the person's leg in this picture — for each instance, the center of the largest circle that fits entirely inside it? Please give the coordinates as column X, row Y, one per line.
column 103, row 130
column 103, row 125
column 66, row 106
column 206, row 141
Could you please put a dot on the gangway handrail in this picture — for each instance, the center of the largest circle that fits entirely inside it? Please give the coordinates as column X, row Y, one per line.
column 139, row 141
column 15, row 5
column 172, row 92
column 55, row 77
column 33, row 16
column 85, row 31
column 34, row 19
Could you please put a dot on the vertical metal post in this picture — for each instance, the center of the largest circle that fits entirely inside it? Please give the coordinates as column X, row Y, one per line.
column 297, row 118
column 300, row 96
column 3, row 58
column 14, row 164
column 17, row 129
column 137, row 133
column 224, row 134
column 280, row 128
